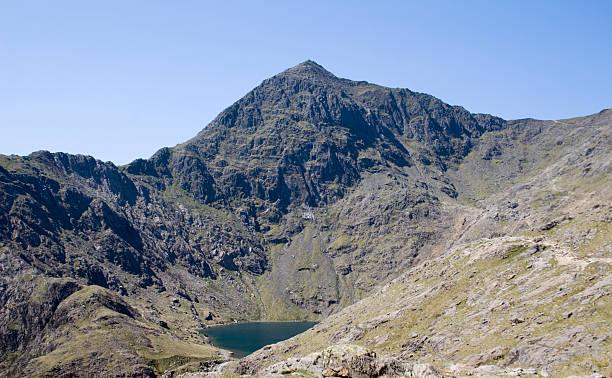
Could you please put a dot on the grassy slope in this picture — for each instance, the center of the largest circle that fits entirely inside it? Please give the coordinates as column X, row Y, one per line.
column 93, row 325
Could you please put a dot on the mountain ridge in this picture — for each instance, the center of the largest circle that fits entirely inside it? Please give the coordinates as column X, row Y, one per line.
column 297, row 201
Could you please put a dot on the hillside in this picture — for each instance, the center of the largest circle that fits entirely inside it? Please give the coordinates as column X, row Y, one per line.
column 522, row 287
column 303, row 198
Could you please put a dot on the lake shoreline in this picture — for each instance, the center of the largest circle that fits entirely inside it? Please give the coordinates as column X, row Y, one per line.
column 242, row 339
column 255, row 321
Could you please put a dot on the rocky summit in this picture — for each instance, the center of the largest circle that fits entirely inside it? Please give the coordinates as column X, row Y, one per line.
column 425, row 239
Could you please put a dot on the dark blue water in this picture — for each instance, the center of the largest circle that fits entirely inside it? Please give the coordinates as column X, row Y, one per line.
column 245, row 338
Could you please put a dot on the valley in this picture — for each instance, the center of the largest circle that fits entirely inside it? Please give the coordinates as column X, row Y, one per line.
column 423, row 238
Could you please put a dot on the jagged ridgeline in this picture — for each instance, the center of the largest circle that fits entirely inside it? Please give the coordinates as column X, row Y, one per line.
column 295, row 202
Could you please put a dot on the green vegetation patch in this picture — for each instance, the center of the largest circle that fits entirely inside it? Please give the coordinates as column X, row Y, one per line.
column 514, row 250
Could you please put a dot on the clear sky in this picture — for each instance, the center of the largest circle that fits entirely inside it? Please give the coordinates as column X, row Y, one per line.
column 120, row 79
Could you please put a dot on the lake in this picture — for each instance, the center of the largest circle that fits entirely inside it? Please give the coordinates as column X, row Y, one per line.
column 245, row 338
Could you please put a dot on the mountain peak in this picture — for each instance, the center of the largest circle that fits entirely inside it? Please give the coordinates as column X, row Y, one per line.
column 308, row 68
column 309, row 64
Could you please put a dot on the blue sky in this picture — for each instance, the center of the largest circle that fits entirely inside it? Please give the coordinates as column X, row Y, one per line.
column 120, row 79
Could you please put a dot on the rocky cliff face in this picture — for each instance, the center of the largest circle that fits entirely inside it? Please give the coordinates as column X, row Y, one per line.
column 295, row 202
